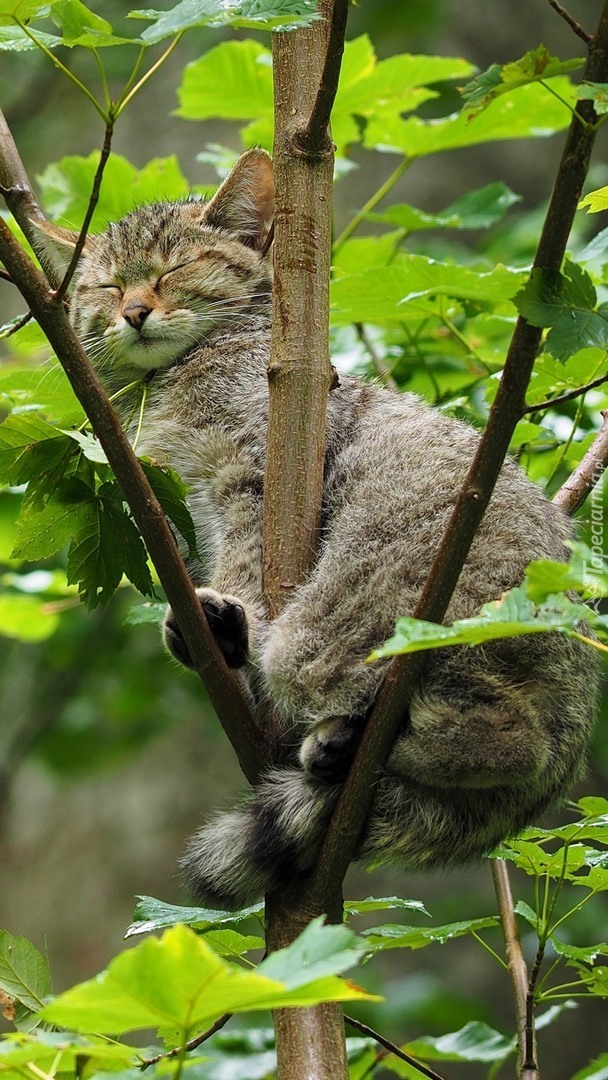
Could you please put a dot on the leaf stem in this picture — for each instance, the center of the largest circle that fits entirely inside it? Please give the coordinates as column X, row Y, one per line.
column 372, row 202
column 125, row 99
column 66, row 71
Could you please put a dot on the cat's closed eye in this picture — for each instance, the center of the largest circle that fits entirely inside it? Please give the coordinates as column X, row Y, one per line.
column 110, row 287
column 174, row 269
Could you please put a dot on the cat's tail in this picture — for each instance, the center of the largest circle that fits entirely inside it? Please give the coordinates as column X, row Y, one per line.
column 275, row 832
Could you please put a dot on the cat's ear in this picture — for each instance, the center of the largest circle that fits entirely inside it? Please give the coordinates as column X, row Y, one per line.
column 55, row 244
column 244, row 203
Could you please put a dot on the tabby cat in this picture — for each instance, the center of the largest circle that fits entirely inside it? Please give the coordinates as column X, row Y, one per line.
column 180, row 292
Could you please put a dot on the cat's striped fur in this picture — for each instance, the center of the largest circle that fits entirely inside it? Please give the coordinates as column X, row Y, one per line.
column 494, row 734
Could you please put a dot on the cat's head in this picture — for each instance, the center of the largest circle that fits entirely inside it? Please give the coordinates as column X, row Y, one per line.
column 167, row 276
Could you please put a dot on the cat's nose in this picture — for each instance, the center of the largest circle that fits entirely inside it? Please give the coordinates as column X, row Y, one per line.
column 136, row 314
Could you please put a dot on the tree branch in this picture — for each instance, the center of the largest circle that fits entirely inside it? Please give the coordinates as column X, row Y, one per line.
column 315, row 139
column 222, row 688
column 589, row 470
column 380, row 733
column 542, row 405
column 572, row 23
column 392, row 1048
column 310, row 1042
column 518, row 972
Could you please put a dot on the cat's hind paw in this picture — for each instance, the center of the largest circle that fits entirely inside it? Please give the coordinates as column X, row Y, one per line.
column 227, row 621
column 328, row 751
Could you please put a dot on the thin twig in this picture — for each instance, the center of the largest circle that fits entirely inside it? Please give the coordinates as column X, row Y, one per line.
column 189, row 1046
column 383, row 369
column 518, row 972
column 93, row 200
column 542, row 405
column 314, row 139
column 392, row 1048
column 572, row 22
column 587, row 473
column 16, row 325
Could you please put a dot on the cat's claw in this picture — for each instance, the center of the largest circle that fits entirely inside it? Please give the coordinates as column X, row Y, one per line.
column 227, row 621
column 328, row 751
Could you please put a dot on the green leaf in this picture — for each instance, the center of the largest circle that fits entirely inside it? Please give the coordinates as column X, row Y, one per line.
column 479, row 209
column 26, row 618
column 512, row 615
column 535, row 66
column 319, row 951
column 244, row 66
column 597, row 93
column 396, row 936
column 80, row 26
column 178, row 982
column 44, row 388
column 13, row 39
column 147, row 612
column 529, row 112
column 565, row 302
column 151, row 914
column 42, row 531
column 171, row 492
column 231, row 943
column 383, row 903
column 595, row 201
column 24, row 977
column 66, row 187
column 407, row 289
column 248, row 14
column 24, row 10
column 595, row 1070
column 108, row 546
column 43, row 1049
column 29, row 448
column 474, row 1042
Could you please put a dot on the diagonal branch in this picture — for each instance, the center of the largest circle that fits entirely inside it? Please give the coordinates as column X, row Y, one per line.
column 382, row 728
column 588, row 472
column 222, row 688
column 580, row 390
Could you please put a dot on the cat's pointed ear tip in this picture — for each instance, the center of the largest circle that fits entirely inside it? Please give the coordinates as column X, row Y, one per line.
column 61, row 236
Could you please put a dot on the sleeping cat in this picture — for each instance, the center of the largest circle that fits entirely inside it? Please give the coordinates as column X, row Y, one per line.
column 180, row 293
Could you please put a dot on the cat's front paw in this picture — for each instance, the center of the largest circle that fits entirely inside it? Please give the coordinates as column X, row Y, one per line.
column 328, row 751
column 227, row 621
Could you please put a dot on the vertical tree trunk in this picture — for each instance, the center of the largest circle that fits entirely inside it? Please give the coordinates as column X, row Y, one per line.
column 310, row 1042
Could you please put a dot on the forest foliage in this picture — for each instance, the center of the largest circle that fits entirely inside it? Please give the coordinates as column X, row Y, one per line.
column 423, row 300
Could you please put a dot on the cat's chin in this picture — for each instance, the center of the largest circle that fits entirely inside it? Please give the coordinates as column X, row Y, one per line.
column 151, row 355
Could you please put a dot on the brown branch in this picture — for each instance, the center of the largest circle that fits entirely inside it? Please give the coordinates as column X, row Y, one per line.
column 189, row 1046
column 382, row 728
column 93, row 200
column 392, row 1048
column 310, row 1042
column 222, row 688
column 314, row 139
column 589, row 470
column 542, row 405
column 572, row 22
column 518, row 973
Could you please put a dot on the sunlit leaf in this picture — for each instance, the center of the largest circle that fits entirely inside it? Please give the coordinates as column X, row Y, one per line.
column 248, row 14
column 535, row 66
column 151, row 914
column 474, row 1042
column 179, row 982
column 396, row 936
